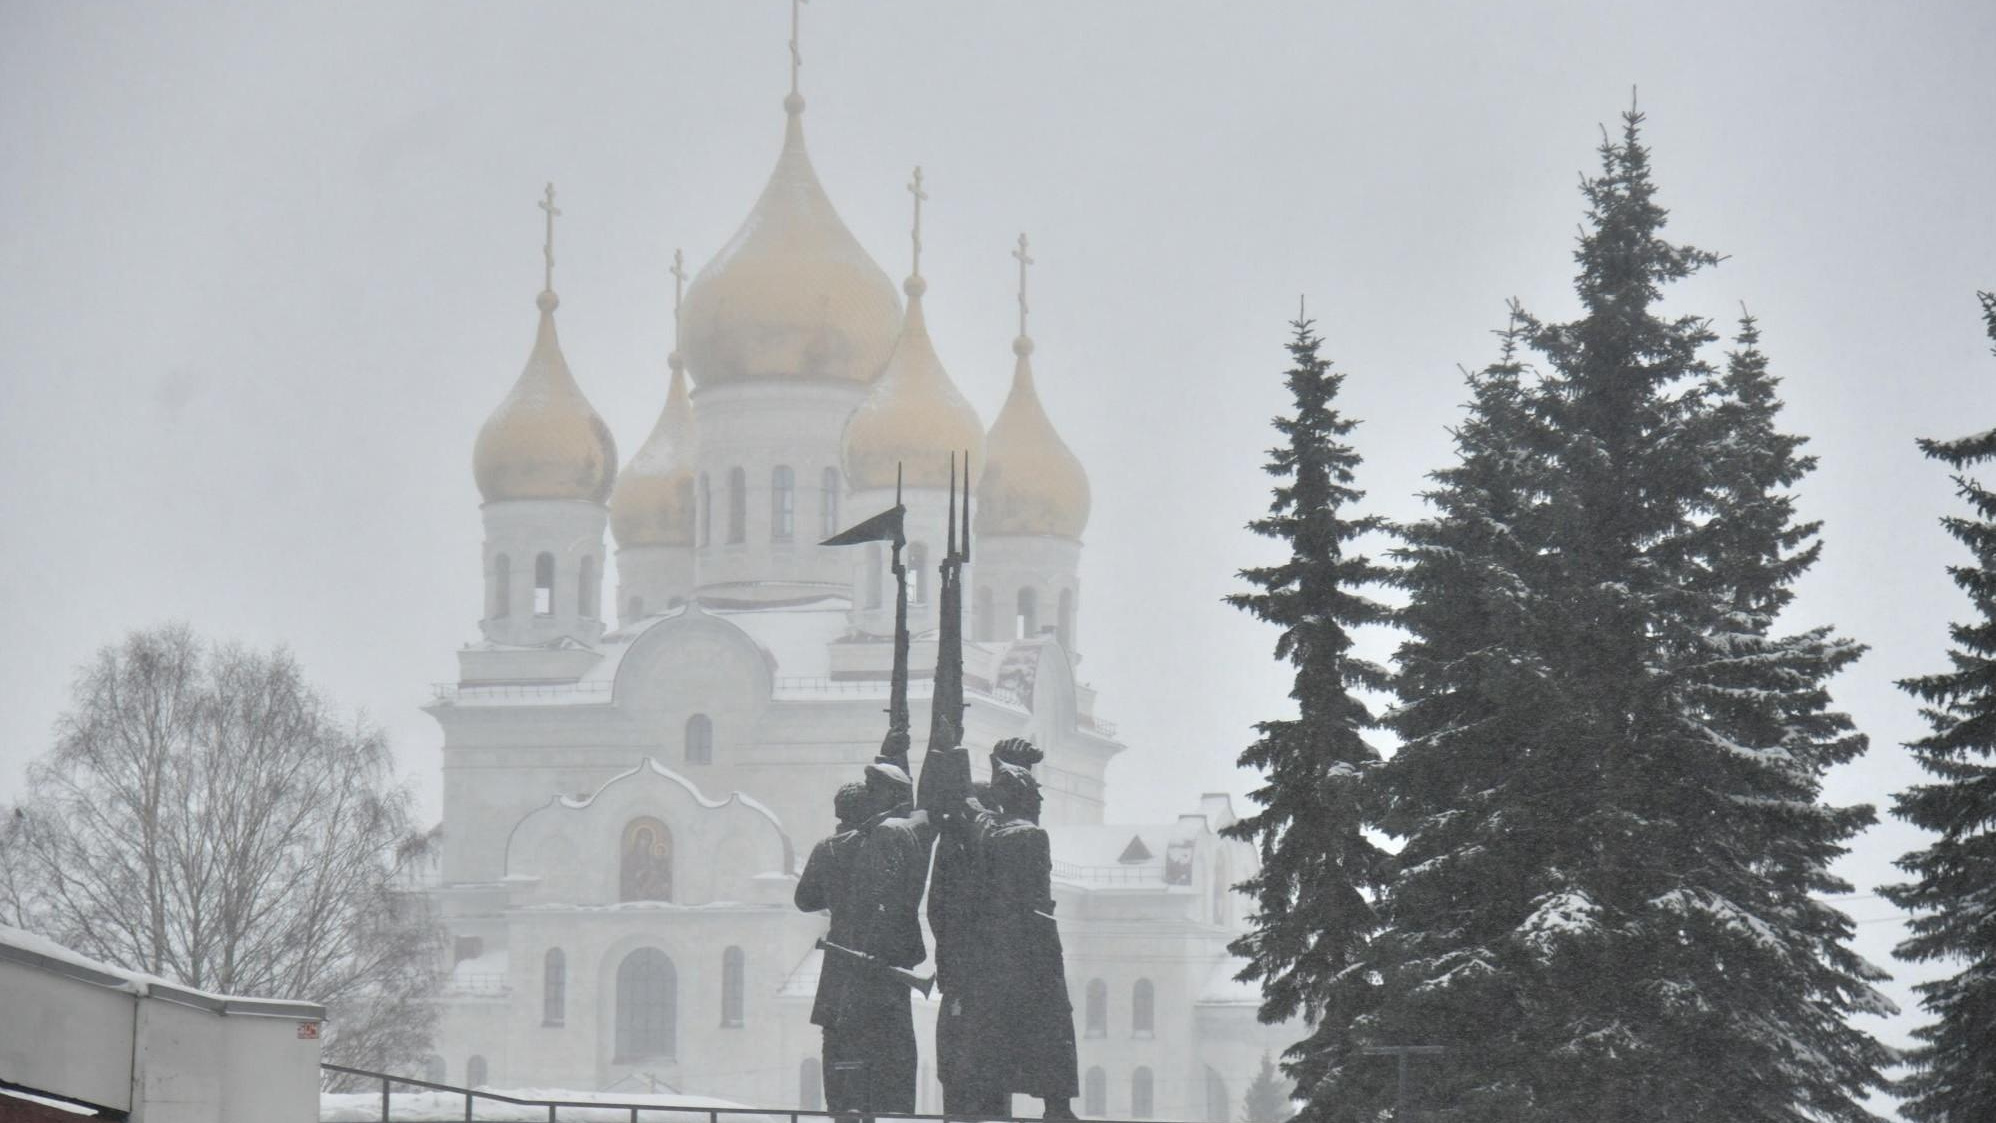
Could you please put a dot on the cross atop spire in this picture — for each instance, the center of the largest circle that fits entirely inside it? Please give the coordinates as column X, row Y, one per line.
column 796, row 55
column 678, row 272
column 547, row 247
column 1025, row 259
column 915, row 189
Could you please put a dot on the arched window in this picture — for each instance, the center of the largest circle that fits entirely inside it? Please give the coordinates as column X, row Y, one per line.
column 876, row 574
column 828, row 502
column 1095, row 1092
column 1140, row 1093
column 1219, row 1104
column 810, row 1085
column 737, row 505
column 1097, row 1009
column 699, row 739
column 980, row 624
column 1064, row 623
column 474, row 1072
column 733, row 965
column 782, row 503
column 554, row 988
column 502, row 588
column 544, row 585
column 645, row 867
column 647, row 1006
column 1028, row 618
column 588, row 591
column 918, row 573
column 634, row 609
column 1143, row 1008
column 1222, row 883
column 706, row 512
column 433, row 1069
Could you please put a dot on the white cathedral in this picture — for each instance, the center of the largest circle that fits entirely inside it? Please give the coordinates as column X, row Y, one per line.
column 626, row 807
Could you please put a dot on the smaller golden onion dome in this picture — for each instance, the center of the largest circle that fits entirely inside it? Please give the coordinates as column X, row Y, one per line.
column 1032, row 483
column 792, row 294
column 913, row 417
column 653, row 503
column 545, row 441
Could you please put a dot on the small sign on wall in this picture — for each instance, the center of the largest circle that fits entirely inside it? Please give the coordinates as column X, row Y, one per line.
column 308, row 1031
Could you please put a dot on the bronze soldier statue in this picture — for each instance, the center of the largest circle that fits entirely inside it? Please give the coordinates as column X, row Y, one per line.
column 1010, row 1022
column 821, row 888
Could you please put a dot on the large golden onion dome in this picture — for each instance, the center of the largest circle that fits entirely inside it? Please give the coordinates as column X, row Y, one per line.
column 792, row 293
column 653, row 503
column 1032, row 483
column 914, row 416
column 545, row 441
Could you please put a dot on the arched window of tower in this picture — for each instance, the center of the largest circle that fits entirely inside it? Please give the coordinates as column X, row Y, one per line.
column 918, row 573
column 554, row 987
column 1027, row 620
column 544, row 585
column 782, row 503
column 1095, row 1092
column 828, row 503
column 502, row 587
column 733, row 969
column 980, row 625
column 737, row 505
column 699, row 739
column 1097, row 1009
column 1143, row 1008
column 588, row 591
column 1065, row 625
column 647, row 1007
column 645, row 862
column 706, row 511
column 474, row 1072
column 1140, row 1093
column 876, row 574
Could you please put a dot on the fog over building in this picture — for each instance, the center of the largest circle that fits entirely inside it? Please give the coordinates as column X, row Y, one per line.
column 637, row 756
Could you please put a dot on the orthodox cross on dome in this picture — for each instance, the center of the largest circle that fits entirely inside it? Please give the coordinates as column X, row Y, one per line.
column 1025, row 259
column 678, row 272
column 915, row 189
column 547, row 248
column 796, row 55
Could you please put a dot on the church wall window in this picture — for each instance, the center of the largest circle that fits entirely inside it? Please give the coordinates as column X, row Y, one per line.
column 1096, row 1009
column 810, row 1085
column 502, row 588
column 1140, row 1093
column 876, row 574
column 706, row 512
column 918, row 574
column 980, row 623
column 554, row 987
column 737, row 505
column 1095, row 1092
column 1064, row 623
column 1027, row 619
column 467, row 947
column 699, row 739
column 828, row 503
column 645, row 865
column 588, row 591
column 1219, row 1103
column 1143, row 1008
column 782, row 503
column 474, row 1072
column 544, row 585
column 734, row 966
column 647, row 1007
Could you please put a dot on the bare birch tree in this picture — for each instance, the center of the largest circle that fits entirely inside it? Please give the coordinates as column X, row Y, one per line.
column 206, row 817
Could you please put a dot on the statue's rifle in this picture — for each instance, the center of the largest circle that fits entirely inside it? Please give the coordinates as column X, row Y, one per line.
column 873, row 963
column 946, row 711
column 887, row 527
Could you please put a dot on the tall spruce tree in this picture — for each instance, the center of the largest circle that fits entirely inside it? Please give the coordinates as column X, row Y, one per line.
column 1313, row 911
column 1608, row 785
column 1954, row 897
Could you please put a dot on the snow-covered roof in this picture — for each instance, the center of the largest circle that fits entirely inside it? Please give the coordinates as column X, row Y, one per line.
column 21, row 946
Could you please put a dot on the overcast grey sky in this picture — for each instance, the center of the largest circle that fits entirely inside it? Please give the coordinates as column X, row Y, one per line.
column 266, row 268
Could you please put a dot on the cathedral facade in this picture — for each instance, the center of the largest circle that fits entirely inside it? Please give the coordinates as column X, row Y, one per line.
column 634, row 771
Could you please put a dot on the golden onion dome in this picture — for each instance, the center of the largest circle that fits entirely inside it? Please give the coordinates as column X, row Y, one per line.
column 653, row 503
column 792, row 294
column 1032, row 483
column 545, row 441
column 913, row 417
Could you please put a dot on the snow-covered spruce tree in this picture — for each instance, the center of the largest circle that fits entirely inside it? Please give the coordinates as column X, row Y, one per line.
column 1267, row 1098
column 1954, row 897
column 1318, row 868
column 1609, row 782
